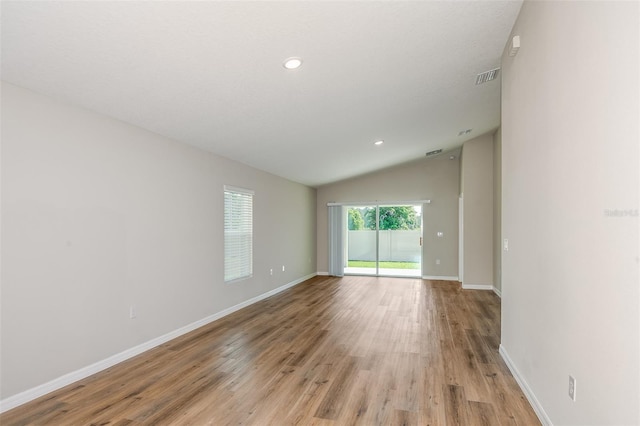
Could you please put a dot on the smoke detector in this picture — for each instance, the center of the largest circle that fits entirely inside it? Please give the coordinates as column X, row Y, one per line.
column 432, row 153
column 487, row 76
column 515, row 46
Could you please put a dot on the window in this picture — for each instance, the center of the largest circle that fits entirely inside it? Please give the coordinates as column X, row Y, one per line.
column 238, row 233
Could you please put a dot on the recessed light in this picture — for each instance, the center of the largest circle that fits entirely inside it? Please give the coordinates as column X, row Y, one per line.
column 378, row 143
column 292, row 63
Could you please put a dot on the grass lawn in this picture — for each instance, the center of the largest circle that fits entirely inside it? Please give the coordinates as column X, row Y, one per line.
column 385, row 265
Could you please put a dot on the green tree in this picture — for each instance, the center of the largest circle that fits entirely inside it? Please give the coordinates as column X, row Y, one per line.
column 356, row 222
column 369, row 218
column 393, row 217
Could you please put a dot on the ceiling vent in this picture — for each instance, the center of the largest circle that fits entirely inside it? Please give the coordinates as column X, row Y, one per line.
column 432, row 153
column 487, row 76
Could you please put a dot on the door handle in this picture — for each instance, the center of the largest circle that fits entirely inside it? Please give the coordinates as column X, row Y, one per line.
column 420, row 241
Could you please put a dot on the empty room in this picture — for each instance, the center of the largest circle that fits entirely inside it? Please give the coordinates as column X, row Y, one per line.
column 320, row 213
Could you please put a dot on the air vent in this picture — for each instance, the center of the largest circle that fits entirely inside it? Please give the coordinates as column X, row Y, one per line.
column 487, row 76
column 432, row 153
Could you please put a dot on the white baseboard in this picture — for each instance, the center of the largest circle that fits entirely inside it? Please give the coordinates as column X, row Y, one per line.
column 67, row 379
column 497, row 292
column 477, row 286
column 537, row 407
column 439, row 278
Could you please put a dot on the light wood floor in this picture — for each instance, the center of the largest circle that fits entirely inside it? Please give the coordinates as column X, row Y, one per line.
column 356, row 350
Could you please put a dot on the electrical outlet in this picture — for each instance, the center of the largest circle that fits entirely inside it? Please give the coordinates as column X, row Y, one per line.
column 437, row 261
column 132, row 312
column 572, row 388
column 282, row 268
column 505, row 244
column 271, row 271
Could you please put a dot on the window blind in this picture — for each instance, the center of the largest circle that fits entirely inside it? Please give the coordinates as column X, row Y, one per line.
column 336, row 248
column 238, row 233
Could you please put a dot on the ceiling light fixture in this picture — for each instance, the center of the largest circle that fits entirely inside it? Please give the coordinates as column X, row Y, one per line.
column 378, row 143
column 292, row 63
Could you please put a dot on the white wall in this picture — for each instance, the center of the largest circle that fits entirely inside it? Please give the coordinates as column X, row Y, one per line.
column 477, row 195
column 570, row 146
column 98, row 215
column 436, row 179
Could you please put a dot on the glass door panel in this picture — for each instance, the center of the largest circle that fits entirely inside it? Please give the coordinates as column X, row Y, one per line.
column 361, row 241
column 400, row 240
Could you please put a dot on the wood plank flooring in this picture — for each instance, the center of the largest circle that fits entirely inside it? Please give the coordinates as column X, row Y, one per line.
column 330, row 351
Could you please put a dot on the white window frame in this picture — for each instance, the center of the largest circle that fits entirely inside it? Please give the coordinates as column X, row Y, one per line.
column 238, row 233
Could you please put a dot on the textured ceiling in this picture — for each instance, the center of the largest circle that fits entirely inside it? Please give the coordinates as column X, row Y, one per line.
column 210, row 74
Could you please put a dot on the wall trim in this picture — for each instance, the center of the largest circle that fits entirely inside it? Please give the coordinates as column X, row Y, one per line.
column 537, row 407
column 440, row 278
column 497, row 292
column 55, row 384
column 477, row 286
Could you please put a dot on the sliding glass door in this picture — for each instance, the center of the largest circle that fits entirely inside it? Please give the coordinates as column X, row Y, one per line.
column 384, row 240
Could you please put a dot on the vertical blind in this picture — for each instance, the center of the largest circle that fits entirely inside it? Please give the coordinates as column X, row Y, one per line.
column 238, row 233
column 336, row 250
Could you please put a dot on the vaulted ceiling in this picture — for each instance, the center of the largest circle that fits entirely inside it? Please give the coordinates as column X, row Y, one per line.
column 211, row 74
